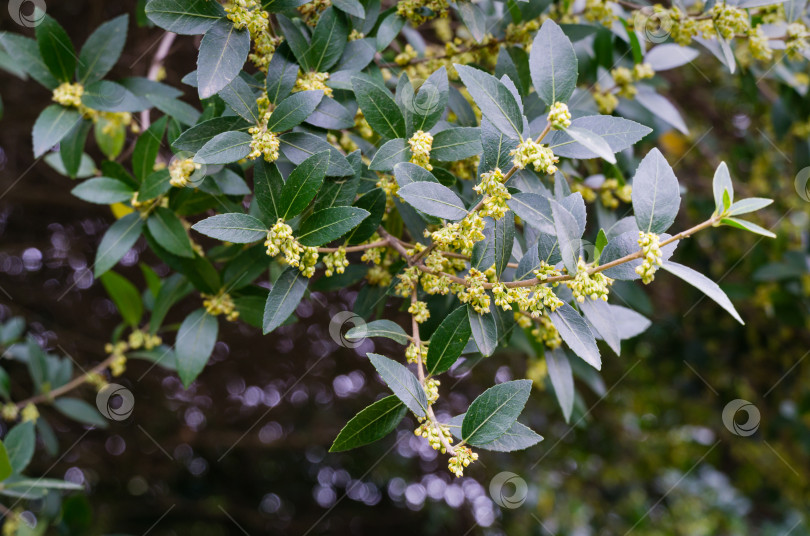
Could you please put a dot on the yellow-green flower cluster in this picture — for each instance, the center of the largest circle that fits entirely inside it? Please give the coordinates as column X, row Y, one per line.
column 728, row 20
column 280, row 239
column 461, row 236
column 419, row 311
column 600, row 11
column 9, row 412
column 758, row 44
column 220, row 304
column 559, row 116
column 586, row 285
column 796, row 41
column 653, row 257
column 140, row 338
column 430, row 431
column 531, row 152
column 264, row 142
column 546, row 333
column 29, row 413
column 531, row 300
column 312, row 80
column 432, row 390
column 249, row 14
column 408, row 280
column 610, row 193
column 335, row 262
column 605, row 100
column 180, row 169
column 68, row 94
column 464, row 457
column 311, row 11
column 474, row 292
column 421, row 144
column 493, row 188
column 404, row 57
column 419, row 11
column 412, row 353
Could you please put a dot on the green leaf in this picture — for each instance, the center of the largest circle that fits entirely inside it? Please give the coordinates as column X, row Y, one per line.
column 434, row 199
column 281, row 74
column 448, row 341
column 656, row 194
column 71, row 148
column 155, row 184
column 601, row 242
column 533, row 209
column 329, row 224
column 752, row 204
column 503, row 240
column 183, row 17
column 267, row 183
column 168, row 231
column 378, row 328
column 370, row 425
column 722, row 186
column 389, row 28
column 331, row 115
column 297, row 39
column 374, row 202
column 293, row 110
column 484, row 331
column 233, row 227
column 496, row 102
column 601, row 317
column 223, row 52
column 196, row 137
column 25, row 53
column 20, row 443
column 6, row 470
column 126, row 297
column 576, row 334
column 553, row 64
column 351, row 7
column 102, row 50
column 495, row 411
column 562, row 379
column 379, row 108
column 80, row 411
column 456, row 144
column 240, row 98
column 592, row 142
column 174, row 288
column 406, row 173
column 146, row 149
column 43, row 483
column 195, row 342
column 224, row 148
column 619, row 133
column 283, row 298
column 56, row 49
column 568, row 235
column 402, row 382
column 430, row 102
column 103, row 191
column 747, row 226
column 328, row 40
column 298, row 146
column 518, row 437
column 390, row 154
column 703, row 284
column 118, row 239
column 54, row 123
column 303, row 184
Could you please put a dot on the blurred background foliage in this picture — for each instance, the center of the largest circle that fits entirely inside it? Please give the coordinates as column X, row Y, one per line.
column 647, row 452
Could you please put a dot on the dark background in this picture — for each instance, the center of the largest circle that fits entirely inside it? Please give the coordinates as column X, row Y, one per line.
column 244, row 450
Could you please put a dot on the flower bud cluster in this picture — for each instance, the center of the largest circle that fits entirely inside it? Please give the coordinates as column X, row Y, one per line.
column 180, row 170
column 412, row 353
column 464, row 457
column 220, row 304
column 461, row 236
column 531, row 152
column 653, row 257
column 728, row 20
column 311, row 80
column 545, row 332
column 421, row 143
column 474, row 292
column 586, row 285
column 432, row 390
column 434, row 432
column 420, row 311
column 559, row 116
column 335, row 262
column 280, row 239
column 600, row 11
column 493, row 188
column 68, row 94
column 419, row 11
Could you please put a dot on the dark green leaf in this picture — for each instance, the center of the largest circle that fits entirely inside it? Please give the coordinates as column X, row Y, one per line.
column 53, row 124
column 402, row 382
column 434, row 199
column 234, row 227
column 240, row 98
column 268, row 183
column 448, row 341
column 379, row 108
column 656, row 194
column 80, row 411
column 496, row 102
column 495, row 411
column 328, row 40
column 25, row 53
column 456, row 144
column 518, row 437
column 223, row 52
column 195, row 342
column 168, row 231
column 196, row 137
column 378, row 328
column 103, row 190
column 303, row 183
column 102, row 50
column 370, row 425
column 224, row 148
column 146, row 149
column 56, row 49
column 20, row 442
column 576, row 334
column 484, row 331
column 283, row 298
column 118, row 239
column 281, row 74
column 126, row 297
column 390, row 154
column 553, row 64
column 71, row 149
column 374, row 202
column 562, row 379
column 174, row 288
column 293, row 110
column 298, row 146
column 183, row 17
column 329, row 224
